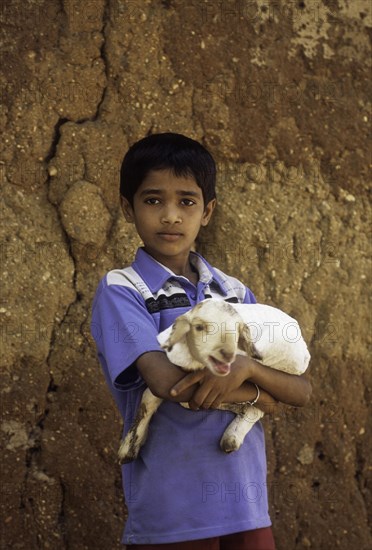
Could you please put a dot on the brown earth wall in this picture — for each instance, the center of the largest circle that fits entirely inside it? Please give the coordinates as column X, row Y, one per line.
column 280, row 94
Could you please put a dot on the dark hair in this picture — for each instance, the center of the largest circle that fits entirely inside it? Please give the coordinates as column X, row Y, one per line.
column 183, row 155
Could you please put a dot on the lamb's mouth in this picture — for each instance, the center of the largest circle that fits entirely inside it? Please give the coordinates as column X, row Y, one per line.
column 220, row 368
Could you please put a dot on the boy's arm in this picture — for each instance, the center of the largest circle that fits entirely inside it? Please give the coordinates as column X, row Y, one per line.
column 277, row 385
column 159, row 373
column 201, row 389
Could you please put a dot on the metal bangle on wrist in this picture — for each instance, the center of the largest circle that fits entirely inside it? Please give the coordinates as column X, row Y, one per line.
column 256, row 398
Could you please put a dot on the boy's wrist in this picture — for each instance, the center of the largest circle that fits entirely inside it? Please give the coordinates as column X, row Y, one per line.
column 247, row 365
column 248, row 392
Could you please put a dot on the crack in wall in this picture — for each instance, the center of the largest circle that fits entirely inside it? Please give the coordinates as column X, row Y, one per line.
column 51, row 155
column 104, row 56
column 62, row 515
column 57, row 136
column 27, row 502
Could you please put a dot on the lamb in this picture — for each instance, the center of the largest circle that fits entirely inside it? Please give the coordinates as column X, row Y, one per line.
column 210, row 335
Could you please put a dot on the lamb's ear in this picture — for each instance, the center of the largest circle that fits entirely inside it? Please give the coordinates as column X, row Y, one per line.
column 181, row 326
column 245, row 342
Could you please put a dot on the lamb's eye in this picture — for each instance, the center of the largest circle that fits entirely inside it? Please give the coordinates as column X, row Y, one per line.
column 199, row 327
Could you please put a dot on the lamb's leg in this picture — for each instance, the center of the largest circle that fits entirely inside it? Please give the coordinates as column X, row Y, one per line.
column 234, row 435
column 136, row 437
column 246, row 417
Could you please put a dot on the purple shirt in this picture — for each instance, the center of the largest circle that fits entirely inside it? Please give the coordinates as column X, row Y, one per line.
column 182, row 486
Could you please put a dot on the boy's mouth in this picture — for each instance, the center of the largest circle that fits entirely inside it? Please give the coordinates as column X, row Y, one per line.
column 168, row 236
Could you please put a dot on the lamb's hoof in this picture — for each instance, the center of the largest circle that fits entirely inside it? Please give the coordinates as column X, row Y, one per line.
column 127, row 454
column 229, row 444
column 126, row 459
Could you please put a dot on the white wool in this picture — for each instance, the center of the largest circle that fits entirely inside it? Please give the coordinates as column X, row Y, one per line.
column 276, row 336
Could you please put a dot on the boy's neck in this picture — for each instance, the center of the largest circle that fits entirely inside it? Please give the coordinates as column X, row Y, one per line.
column 192, row 276
column 179, row 267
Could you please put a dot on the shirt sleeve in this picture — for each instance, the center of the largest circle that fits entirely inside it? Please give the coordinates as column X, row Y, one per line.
column 249, row 297
column 123, row 331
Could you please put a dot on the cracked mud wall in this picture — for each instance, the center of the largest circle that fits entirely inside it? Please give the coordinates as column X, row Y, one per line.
column 279, row 92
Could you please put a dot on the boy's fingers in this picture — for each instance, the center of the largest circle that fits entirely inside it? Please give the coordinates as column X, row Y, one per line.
column 186, row 382
column 200, row 398
column 204, row 397
column 216, row 403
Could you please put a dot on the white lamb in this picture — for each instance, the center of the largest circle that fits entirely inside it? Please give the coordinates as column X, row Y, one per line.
column 210, row 335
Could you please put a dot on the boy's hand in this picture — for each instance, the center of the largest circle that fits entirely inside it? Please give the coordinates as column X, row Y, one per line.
column 213, row 389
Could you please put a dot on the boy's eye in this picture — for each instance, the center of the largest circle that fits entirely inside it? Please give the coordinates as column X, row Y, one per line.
column 155, row 200
column 152, row 201
column 188, row 202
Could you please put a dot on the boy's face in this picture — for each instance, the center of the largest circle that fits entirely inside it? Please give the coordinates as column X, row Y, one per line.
column 168, row 212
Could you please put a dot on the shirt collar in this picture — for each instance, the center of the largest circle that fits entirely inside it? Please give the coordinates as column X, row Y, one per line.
column 156, row 274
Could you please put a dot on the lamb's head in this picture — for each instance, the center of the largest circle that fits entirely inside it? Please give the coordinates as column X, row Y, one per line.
column 213, row 332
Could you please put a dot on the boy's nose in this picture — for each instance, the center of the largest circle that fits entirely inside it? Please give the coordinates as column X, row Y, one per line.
column 171, row 215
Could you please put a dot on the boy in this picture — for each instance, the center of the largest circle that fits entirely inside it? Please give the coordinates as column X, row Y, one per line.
column 182, row 492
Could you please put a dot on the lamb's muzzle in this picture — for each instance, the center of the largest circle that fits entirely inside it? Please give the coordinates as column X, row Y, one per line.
column 212, row 335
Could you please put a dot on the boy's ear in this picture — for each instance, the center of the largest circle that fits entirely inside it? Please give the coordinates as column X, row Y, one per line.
column 127, row 209
column 208, row 212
